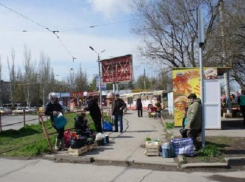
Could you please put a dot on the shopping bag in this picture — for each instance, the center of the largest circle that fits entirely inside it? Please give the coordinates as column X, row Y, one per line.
column 107, row 126
column 67, row 136
column 183, row 146
column 60, row 121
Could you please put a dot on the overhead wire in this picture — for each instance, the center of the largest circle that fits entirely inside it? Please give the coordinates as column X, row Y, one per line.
column 54, row 32
column 93, row 26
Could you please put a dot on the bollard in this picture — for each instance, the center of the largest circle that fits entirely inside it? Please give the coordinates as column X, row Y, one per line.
column 24, row 116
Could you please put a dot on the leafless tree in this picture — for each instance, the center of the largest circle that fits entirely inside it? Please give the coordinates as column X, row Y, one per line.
column 12, row 77
column 169, row 33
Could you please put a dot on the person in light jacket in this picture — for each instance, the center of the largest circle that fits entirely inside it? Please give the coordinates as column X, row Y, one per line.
column 194, row 117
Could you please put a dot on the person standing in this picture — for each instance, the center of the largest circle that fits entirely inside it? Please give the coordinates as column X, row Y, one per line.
column 194, row 118
column 139, row 107
column 95, row 113
column 119, row 105
column 241, row 101
column 53, row 109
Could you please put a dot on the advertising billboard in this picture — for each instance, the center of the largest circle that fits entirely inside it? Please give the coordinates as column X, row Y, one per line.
column 103, row 85
column 118, row 69
column 185, row 82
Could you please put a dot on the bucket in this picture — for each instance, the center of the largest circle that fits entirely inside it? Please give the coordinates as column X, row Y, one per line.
column 166, row 150
column 107, row 139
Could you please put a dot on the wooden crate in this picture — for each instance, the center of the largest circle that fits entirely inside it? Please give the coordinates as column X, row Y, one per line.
column 77, row 152
column 92, row 146
column 152, row 148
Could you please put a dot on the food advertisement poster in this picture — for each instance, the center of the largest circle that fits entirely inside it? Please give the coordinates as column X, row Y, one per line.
column 185, row 82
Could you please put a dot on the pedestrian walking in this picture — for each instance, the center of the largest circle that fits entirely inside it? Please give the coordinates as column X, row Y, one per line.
column 241, row 101
column 194, row 118
column 119, row 105
column 54, row 109
column 95, row 113
column 139, row 107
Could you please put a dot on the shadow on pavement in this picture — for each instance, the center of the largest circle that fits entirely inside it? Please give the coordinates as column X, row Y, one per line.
column 232, row 124
column 141, row 131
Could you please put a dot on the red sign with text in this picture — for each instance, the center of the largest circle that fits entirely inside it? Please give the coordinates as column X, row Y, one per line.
column 118, row 69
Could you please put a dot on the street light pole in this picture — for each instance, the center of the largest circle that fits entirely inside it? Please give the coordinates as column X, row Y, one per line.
column 99, row 74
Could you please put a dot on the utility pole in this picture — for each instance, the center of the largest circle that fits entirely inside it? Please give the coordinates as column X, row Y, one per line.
column 223, row 59
column 144, row 80
column 201, row 40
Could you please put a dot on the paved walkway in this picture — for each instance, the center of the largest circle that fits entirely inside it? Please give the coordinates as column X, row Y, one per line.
column 127, row 146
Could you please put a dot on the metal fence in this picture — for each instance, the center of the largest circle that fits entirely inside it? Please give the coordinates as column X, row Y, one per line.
column 17, row 121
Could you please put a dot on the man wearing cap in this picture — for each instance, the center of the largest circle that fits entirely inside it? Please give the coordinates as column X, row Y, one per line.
column 194, row 117
column 119, row 105
column 95, row 113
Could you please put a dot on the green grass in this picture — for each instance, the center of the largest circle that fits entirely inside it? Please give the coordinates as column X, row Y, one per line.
column 30, row 141
column 210, row 151
column 169, row 125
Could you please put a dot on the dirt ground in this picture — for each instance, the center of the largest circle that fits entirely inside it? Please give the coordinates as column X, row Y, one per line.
column 228, row 147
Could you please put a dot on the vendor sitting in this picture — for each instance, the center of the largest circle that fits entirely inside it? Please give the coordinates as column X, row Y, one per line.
column 81, row 123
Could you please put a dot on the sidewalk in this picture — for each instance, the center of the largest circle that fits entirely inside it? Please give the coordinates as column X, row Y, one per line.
column 127, row 147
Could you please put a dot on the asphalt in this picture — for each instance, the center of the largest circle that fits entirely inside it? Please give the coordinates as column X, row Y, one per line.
column 127, row 148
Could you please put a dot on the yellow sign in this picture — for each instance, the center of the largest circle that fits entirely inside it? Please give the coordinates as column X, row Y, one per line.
column 185, row 82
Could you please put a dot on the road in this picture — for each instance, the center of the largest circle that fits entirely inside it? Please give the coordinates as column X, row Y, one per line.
column 40, row 170
column 11, row 119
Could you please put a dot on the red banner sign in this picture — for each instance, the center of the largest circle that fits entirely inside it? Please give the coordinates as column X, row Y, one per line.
column 118, row 69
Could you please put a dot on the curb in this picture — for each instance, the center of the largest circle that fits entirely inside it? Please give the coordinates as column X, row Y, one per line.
column 75, row 159
column 204, row 165
column 90, row 160
column 235, row 161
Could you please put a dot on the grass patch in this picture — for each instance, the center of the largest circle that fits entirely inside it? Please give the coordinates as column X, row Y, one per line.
column 210, row 151
column 169, row 125
column 30, row 141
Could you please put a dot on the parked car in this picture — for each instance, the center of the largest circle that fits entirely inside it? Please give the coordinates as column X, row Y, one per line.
column 65, row 109
column 31, row 109
column 18, row 110
column 5, row 110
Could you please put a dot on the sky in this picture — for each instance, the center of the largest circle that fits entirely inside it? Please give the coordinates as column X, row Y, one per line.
column 73, row 19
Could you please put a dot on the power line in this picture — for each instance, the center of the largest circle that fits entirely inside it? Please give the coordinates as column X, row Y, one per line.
column 99, row 25
column 46, row 28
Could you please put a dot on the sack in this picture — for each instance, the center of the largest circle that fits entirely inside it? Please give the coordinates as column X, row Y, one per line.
column 78, row 143
column 107, row 126
column 167, row 150
column 183, row 146
column 59, row 121
column 67, row 136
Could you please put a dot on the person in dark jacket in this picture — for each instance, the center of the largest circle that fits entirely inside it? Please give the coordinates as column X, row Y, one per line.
column 119, row 105
column 139, row 107
column 241, row 101
column 95, row 113
column 52, row 109
column 81, row 123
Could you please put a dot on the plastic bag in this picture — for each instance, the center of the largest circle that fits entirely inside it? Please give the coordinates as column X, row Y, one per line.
column 107, row 126
column 59, row 121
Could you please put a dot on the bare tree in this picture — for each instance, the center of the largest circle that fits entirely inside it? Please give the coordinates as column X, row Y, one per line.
column 12, row 77
column 169, row 30
column 81, row 80
column 45, row 75
column 1, row 81
column 29, row 75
